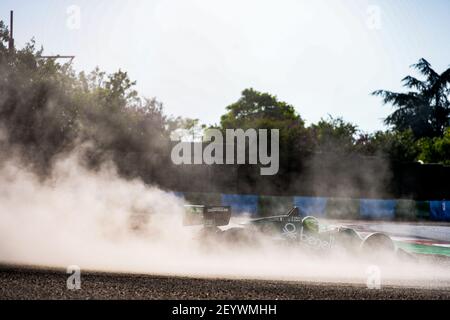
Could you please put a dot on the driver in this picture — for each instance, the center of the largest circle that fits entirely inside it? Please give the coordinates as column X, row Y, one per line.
column 310, row 224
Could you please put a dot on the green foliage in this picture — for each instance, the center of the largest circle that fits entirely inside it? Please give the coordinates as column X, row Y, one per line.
column 426, row 108
column 259, row 110
column 330, row 135
column 399, row 146
column 435, row 150
column 255, row 109
column 47, row 109
column 334, row 135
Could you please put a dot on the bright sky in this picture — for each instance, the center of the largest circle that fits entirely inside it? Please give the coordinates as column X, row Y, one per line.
column 324, row 57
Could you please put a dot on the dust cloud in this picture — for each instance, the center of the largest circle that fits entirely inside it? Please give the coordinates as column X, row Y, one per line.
column 100, row 221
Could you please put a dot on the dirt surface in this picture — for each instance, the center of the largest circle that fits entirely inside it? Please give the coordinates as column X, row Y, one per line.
column 34, row 283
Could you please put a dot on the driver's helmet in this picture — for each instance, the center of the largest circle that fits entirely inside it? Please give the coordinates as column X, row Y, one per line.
column 310, row 224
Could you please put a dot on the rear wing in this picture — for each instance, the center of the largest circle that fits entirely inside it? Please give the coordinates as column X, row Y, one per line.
column 208, row 216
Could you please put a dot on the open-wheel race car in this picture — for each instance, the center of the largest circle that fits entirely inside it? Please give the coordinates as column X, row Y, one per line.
column 288, row 229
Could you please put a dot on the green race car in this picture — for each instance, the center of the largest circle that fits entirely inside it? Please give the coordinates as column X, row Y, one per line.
column 287, row 229
column 308, row 233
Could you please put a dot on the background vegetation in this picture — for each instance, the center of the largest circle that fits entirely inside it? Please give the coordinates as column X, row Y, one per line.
column 47, row 109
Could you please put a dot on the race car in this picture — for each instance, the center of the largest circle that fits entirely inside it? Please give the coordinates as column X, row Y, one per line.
column 366, row 238
column 310, row 234
column 287, row 229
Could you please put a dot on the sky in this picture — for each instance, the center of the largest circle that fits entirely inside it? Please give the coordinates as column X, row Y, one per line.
column 197, row 56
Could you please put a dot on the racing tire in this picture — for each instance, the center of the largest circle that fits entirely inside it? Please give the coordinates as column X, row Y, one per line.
column 378, row 244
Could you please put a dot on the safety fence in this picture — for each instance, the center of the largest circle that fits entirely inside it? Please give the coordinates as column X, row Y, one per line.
column 332, row 208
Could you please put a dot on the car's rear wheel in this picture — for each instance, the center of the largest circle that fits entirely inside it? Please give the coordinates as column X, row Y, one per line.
column 378, row 246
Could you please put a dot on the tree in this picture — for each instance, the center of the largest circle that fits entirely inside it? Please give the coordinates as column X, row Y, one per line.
column 47, row 109
column 334, row 135
column 254, row 108
column 425, row 109
column 396, row 145
column 258, row 110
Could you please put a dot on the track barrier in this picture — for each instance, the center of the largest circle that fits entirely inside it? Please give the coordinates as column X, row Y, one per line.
column 321, row 207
